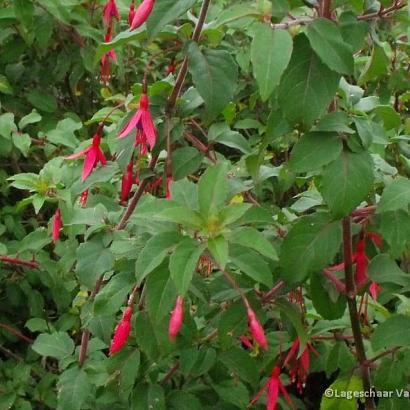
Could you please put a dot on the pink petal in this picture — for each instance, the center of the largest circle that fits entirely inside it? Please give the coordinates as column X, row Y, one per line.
column 273, row 394
column 101, row 157
column 89, row 163
column 131, row 124
column 78, row 154
column 177, row 318
column 148, row 128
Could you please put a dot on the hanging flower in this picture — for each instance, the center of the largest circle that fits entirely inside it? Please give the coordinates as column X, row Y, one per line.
column 374, row 290
column 122, row 332
column 177, row 318
column 57, row 225
column 105, row 59
column 142, row 122
column 84, row 198
column 127, row 181
column 109, row 12
column 362, row 262
column 273, row 387
column 131, row 13
column 299, row 366
column 256, row 329
column 142, row 14
column 93, row 155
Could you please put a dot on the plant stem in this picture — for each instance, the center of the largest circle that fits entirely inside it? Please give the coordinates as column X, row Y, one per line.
column 19, row 262
column 354, row 317
column 16, row 333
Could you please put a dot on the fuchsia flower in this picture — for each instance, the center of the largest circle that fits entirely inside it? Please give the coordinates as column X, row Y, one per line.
column 127, row 180
column 374, row 290
column 122, row 332
column 105, row 59
column 109, row 12
column 245, row 342
column 57, row 225
column 84, row 198
column 256, row 329
column 273, row 386
column 362, row 262
column 299, row 366
column 168, row 188
column 93, row 155
column 142, row 122
column 177, row 318
column 142, row 13
column 131, row 13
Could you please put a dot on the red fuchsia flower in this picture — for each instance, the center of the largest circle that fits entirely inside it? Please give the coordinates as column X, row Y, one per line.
column 171, row 67
column 57, row 225
column 256, row 329
column 131, row 13
column 246, row 342
column 142, row 122
column 177, row 318
column 273, row 386
column 376, row 239
column 105, row 59
column 374, row 290
column 127, row 180
column 93, row 155
column 122, row 332
column 362, row 262
column 142, row 13
column 168, row 188
column 84, row 198
column 109, row 12
column 299, row 366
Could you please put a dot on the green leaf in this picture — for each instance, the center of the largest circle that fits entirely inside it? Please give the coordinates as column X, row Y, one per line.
column 307, row 85
column 73, row 388
column 58, row 345
column 235, row 12
column 232, row 213
column 219, row 249
column 214, row 74
column 164, row 12
column 382, row 269
column 160, row 294
column 234, row 392
column 270, row 55
column 212, row 190
column 7, row 124
column 42, row 101
column 395, row 331
column 338, row 402
column 22, row 142
column 310, row 245
column 235, row 140
column 395, row 230
column 24, row 12
column 347, row 181
column 314, row 150
column 395, row 196
column 337, row 121
column 154, row 252
column 327, row 41
column 327, row 300
column 5, row 86
column 252, row 238
column 112, row 296
column 250, row 263
column 183, row 262
column 238, row 361
column 31, row 118
column 93, row 259
column 376, row 66
column 186, row 161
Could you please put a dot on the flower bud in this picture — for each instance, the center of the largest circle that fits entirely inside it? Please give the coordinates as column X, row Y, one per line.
column 257, row 330
column 177, row 318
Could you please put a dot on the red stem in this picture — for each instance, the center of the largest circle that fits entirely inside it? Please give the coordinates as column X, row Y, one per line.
column 19, row 262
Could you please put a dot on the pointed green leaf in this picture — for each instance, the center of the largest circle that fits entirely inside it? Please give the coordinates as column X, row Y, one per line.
column 347, row 181
column 270, row 55
column 395, row 196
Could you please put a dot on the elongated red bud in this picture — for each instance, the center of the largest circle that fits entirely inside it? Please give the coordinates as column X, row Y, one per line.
column 57, row 225
column 142, row 13
column 257, row 330
column 131, row 13
column 177, row 318
column 122, row 332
